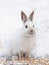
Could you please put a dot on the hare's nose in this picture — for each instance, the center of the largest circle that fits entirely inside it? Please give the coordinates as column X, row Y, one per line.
column 31, row 30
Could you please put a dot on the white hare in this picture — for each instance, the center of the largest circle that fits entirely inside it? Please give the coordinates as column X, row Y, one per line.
column 23, row 41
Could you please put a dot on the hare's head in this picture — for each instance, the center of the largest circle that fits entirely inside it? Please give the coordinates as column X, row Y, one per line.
column 28, row 22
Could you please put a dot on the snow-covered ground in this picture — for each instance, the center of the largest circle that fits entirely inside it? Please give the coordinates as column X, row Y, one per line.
column 10, row 20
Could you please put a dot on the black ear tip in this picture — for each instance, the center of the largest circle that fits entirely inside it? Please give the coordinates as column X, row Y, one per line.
column 21, row 12
column 33, row 11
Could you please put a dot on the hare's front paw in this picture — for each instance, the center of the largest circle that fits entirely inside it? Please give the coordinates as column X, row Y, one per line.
column 17, row 56
column 24, row 55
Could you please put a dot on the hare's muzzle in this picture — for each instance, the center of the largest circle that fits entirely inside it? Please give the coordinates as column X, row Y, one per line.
column 31, row 31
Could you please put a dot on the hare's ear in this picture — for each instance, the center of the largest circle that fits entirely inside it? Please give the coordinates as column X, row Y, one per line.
column 23, row 16
column 31, row 16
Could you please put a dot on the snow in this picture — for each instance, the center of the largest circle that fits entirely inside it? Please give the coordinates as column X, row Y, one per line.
column 10, row 20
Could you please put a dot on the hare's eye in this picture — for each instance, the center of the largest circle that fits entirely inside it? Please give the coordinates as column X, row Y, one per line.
column 33, row 25
column 26, row 26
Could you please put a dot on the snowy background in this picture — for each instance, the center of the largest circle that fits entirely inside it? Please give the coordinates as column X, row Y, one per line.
column 10, row 20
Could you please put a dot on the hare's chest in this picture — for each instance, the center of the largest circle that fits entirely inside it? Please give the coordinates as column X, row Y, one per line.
column 26, row 44
column 26, row 40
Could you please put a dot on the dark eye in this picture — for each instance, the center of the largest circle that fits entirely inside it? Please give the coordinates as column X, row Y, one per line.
column 33, row 25
column 26, row 26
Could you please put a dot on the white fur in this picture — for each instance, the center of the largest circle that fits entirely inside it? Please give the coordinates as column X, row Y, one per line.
column 22, row 40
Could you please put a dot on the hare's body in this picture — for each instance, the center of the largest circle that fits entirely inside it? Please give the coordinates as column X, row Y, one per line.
column 23, row 41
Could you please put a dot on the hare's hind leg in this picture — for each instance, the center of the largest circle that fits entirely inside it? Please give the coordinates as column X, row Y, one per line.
column 15, row 56
column 8, row 58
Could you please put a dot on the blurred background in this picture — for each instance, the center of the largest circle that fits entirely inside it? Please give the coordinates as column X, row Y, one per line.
column 10, row 20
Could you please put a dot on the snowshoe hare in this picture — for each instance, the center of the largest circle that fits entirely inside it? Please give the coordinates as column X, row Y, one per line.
column 23, row 41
